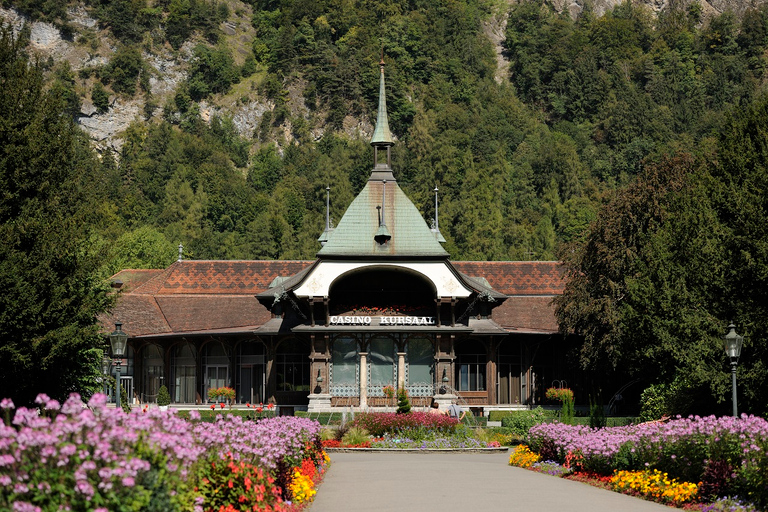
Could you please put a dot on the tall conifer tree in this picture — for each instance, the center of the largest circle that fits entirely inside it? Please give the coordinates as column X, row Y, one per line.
column 50, row 293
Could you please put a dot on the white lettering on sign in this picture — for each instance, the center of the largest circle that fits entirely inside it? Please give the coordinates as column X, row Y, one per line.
column 350, row 320
column 383, row 320
column 407, row 320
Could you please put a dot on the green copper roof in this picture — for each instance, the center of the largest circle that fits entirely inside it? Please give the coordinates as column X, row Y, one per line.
column 354, row 235
column 382, row 135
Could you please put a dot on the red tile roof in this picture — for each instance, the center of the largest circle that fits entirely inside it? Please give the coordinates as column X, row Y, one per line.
column 199, row 296
column 220, row 277
column 517, row 277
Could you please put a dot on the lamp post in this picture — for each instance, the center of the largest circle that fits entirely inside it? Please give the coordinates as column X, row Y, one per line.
column 106, row 362
column 733, row 344
column 118, row 339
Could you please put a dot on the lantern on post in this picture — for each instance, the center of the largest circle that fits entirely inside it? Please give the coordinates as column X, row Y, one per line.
column 119, row 341
column 733, row 343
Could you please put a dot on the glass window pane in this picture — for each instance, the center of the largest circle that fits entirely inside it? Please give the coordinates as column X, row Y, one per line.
column 420, row 361
column 344, row 361
column 381, row 355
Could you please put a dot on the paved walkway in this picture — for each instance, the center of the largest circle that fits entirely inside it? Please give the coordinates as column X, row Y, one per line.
column 466, row 482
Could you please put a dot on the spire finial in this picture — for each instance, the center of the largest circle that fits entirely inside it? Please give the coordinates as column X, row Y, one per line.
column 327, row 233
column 436, row 225
column 181, row 252
column 382, row 137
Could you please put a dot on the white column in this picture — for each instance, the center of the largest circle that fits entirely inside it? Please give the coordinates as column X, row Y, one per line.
column 363, row 380
column 400, row 370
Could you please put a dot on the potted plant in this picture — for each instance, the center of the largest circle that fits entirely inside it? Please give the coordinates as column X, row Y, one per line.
column 223, row 395
column 163, row 398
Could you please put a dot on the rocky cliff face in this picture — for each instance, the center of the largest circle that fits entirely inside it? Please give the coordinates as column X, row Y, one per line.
column 244, row 104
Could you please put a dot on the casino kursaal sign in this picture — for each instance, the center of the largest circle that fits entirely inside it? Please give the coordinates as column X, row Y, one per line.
column 382, row 320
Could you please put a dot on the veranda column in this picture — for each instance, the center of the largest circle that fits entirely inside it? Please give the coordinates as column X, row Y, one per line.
column 400, row 370
column 363, row 380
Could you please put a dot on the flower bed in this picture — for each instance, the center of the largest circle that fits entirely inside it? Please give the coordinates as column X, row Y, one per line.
column 98, row 458
column 380, row 423
column 724, row 456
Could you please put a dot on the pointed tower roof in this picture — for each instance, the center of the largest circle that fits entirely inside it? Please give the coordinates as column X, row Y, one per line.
column 382, row 136
column 382, row 221
column 405, row 233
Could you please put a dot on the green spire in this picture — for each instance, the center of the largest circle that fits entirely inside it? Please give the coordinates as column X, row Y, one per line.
column 382, row 135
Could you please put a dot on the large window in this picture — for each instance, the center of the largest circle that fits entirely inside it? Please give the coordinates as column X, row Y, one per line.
column 509, row 371
column 251, row 374
column 421, row 360
column 183, row 373
column 152, row 372
column 471, row 362
column 344, row 367
column 292, row 366
column 215, row 367
column 381, row 363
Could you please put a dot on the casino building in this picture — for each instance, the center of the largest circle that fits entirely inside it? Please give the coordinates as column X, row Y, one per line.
column 382, row 304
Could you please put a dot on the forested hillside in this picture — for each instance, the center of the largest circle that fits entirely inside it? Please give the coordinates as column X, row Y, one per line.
column 522, row 165
column 651, row 128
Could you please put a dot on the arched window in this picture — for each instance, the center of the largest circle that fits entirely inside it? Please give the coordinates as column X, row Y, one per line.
column 292, row 366
column 251, row 372
column 215, row 367
column 152, row 372
column 183, row 373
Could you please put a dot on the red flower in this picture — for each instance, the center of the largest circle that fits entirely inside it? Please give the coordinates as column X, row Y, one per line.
column 213, row 406
column 222, row 405
column 270, row 406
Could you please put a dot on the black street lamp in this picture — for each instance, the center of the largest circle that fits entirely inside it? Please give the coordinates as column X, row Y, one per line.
column 733, row 344
column 106, row 362
column 119, row 340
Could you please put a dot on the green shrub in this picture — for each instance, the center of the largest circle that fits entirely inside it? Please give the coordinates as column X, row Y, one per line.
column 323, row 418
column 100, row 97
column 403, row 404
column 327, row 434
column 355, row 435
column 596, row 414
column 209, row 415
column 498, row 415
column 163, row 397
column 521, row 421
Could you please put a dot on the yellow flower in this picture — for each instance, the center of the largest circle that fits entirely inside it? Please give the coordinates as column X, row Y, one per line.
column 655, row 485
column 523, row 457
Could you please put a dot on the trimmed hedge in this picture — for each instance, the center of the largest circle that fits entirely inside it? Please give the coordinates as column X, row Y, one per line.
column 521, row 421
column 323, row 418
column 209, row 415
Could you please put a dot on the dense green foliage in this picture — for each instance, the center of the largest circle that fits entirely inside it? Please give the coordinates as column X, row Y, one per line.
column 671, row 259
column 51, row 294
column 630, row 145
